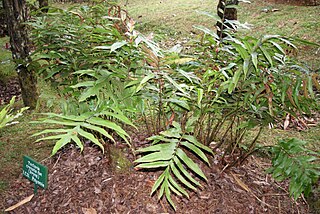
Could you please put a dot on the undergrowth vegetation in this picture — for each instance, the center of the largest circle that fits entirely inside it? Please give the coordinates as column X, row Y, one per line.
column 7, row 117
column 293, row 160
column 109, row 77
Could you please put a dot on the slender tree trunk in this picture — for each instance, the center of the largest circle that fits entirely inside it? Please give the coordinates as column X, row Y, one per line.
column 42, row 4
column 3, row 28
column 16, row 14
column 225, row 13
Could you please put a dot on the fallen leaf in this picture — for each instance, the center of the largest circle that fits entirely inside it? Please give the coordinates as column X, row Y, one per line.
column 97, row 190
column 286, row 122
column 169, row 122
column 240, row 183
column 245, row 187
column 26, row 200
column 89, row 211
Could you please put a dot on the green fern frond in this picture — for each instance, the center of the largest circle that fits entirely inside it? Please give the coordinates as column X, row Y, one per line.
column 84, row 126
column 166, row 153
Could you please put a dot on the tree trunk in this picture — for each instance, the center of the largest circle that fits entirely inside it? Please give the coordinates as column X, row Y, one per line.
column 225, row 14
column 3, row 27
column 16, row 15
column 42, row 4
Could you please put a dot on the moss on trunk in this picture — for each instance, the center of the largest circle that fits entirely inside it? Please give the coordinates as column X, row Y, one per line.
column 16, row 14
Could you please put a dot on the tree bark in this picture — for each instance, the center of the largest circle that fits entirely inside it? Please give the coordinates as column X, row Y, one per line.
column 3, row 27
column 43, row 4
column 225, row 14
column 16, row 14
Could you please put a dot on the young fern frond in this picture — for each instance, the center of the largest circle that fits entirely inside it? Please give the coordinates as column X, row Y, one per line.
column 166, row 152
column 87, row 126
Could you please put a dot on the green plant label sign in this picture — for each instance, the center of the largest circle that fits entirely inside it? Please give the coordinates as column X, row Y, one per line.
column 35, row 172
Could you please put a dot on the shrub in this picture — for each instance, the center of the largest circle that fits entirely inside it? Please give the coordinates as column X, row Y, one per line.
column 88, row 53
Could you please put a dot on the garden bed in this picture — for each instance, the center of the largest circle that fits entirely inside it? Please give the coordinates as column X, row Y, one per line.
column 90, row 183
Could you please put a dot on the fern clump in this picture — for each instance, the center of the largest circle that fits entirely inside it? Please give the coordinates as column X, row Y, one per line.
column 292, row 160
column 167, row 152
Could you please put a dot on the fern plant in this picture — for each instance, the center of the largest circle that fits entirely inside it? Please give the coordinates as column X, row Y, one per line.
column 167, row 86
column 292, row 160
column 167, row 152
column 88, row 53
column 6, row 116
column 87, row 125
column 253, row 83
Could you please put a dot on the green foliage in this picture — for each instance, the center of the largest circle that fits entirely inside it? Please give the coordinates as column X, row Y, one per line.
column 88, row 54
column 166, row 152
column 225, row 89
column 89, row 126
column 253, row 83
column 80, row 43
column 167, row 87
column 292, row 160
column 107, row 72
column 7, row 117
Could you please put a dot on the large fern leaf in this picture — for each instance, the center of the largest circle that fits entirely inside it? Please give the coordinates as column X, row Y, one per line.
column 85, row 126
column 167, row 153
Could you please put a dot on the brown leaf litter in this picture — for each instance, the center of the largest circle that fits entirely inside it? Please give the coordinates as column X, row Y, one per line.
column 88, row 183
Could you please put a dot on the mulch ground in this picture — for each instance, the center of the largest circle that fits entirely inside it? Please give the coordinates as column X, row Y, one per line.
column 9, row 89
column 90, row 183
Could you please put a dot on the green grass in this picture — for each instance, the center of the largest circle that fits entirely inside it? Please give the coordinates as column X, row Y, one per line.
column 175, row 19
column 6, row 65
column 270, row 137
column 15, row 142
column 292, row 21
column 302, row 22
column 3, row 185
